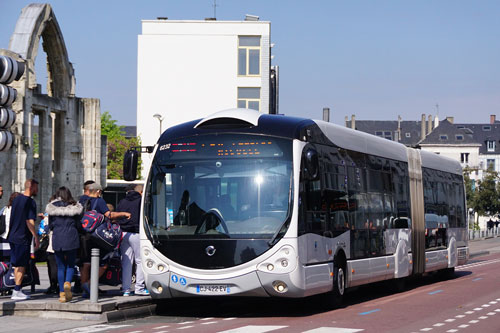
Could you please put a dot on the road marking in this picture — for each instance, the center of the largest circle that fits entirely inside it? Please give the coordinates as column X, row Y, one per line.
column 209, row 322
column 477, row 309
column 491, row 313
column 449, row 320
column 160, row 327
column 93, row 328
column 482, row 263
column 483, row 317
column 333, row 330
column 368, row 312
column 469, row 312
column 184, row 327
column 459, row 316
column 209, row 318
column 232, row 318
column 452, row 331
column 485, row 305
column 186, row 322
column 473, row 321
column 435, row 292
column 438, row 324
column 493, row 302
column 463, row 326
column 161, row 331
column 253, row 329
column 135, row 332
column 426, row 329
column 477, row 279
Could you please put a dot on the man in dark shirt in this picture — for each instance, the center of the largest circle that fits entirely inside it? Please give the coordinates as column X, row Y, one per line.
column 21, row 233
column 95, row 202
column 130, row 247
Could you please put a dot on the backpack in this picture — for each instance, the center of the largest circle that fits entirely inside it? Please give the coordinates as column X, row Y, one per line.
column 91, row 219
column 108, row 236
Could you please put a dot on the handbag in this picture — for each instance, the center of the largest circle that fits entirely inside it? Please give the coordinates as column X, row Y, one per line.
column 108, row 236
column 41, row 252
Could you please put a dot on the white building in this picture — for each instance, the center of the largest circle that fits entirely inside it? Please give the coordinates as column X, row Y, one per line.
column 189, row 69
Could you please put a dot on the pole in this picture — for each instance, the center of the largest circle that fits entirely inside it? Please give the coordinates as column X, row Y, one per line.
column 94, row 276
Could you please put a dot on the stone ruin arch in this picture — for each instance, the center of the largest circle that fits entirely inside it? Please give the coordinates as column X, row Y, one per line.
column 70, row 149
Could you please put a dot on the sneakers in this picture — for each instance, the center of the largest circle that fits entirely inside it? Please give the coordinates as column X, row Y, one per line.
column 143, row 292
column 126, row 293
column 19, row 296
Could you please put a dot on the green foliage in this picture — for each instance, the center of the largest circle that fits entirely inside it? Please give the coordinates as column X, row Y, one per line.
column 485, row 199
column 36, row 145
column 117, row 146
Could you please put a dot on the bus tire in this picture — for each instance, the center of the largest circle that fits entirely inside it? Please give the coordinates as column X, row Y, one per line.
column 337, row 293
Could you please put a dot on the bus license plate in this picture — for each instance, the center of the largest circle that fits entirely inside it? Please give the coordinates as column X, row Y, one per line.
column 213, row 289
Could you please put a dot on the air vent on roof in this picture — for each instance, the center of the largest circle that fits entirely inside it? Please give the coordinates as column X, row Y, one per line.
column 225, row 123
column 232, row 118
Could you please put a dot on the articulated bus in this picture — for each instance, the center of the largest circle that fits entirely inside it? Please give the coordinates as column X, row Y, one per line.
column 250, row 204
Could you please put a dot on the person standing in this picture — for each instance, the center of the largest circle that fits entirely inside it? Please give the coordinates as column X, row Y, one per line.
column 1, row 191
column 64, row 213
column 94, row 202
column 130, row 247
column 4, row 244
column 21, row 234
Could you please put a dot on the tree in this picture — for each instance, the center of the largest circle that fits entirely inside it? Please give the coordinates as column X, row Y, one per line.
column 118, row 144
column 486, row 200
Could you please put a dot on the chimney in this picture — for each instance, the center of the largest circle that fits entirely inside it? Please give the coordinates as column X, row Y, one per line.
column 353, row 122
column 346, row 119
column 493, row 118
column 422, row 127
column 429, row 124
column 326, row 114
column 399, row 128
column 450, row 119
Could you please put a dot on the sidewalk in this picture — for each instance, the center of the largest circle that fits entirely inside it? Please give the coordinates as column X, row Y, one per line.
column 110, row 307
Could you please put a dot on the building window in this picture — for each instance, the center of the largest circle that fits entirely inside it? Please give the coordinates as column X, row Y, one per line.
column 487, row 128
column 379, row 133
column 408, row 135
column 249, row 98
column 491, row 145
column 490, row 163
column 248, row 56
column 443, row 137
column 388, row 135
column 459, row 137
column 464, row 157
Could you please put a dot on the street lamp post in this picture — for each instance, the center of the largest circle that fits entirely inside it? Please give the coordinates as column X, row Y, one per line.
column 160, row 119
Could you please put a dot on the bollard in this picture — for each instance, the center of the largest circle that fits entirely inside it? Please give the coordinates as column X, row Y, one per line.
column 94, row 276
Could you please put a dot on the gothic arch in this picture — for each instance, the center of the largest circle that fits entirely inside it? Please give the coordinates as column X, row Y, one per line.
column 38, row 21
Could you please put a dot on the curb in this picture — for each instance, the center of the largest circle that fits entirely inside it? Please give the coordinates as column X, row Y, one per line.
column 105, row 311
column 478, row 254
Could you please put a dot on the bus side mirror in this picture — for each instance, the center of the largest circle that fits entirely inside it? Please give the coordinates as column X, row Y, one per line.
column 130, row 165
column 311, row 164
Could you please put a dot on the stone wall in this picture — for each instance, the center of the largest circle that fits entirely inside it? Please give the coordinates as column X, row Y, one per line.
column 67, row 127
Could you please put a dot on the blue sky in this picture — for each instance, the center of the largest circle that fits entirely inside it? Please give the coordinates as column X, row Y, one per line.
column 375, row 59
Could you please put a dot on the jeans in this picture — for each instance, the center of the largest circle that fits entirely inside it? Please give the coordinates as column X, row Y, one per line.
column 130, row 249
column 65, row 267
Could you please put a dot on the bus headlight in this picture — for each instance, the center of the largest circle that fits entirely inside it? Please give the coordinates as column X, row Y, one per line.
column 150, row 263
column 161, row 268
column 282, row 261
column 280, row 286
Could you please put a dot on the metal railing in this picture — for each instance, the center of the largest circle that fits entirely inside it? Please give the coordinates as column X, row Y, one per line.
column 478, row 234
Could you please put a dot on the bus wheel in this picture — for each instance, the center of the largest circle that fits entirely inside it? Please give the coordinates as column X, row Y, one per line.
column 338, row 290
column 448, row 273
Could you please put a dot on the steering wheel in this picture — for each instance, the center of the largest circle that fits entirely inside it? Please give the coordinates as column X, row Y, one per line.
column 209, row 216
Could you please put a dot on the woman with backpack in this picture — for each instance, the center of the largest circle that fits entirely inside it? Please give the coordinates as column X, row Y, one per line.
column 64, row 215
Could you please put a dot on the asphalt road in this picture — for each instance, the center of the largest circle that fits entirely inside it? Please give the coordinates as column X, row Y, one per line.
column 468, row 302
